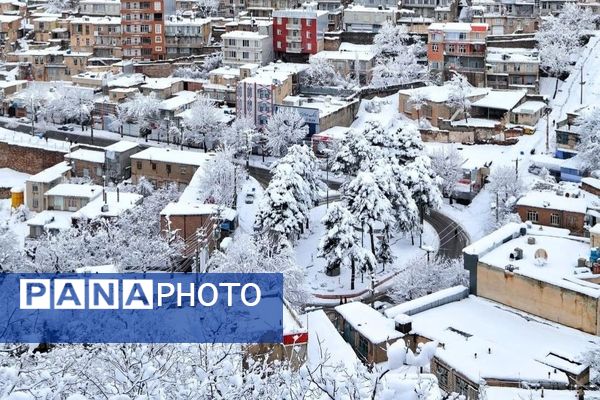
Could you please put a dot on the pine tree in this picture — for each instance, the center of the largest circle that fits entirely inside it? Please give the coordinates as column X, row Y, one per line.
column 303, row 161
column 338, row 239
column 284, row 128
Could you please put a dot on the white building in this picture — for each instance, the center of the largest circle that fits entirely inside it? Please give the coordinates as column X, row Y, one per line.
column 241, row 48
column 100, row 8
column 359, row 18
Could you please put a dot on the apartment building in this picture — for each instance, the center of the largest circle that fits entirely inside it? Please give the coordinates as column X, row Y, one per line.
column 50, row 64
column 553, row 7
column 100, row 8
column 10, row 29
column 298, row 33
column 353, row 64
column 264, row 8
column 40, row 183
column 186, row 36
column 98, row 35
column 512, row 68
column 335, row 11
column 432, row 9
column 358, row 18
column 70, row 196
column 87, row 163
column 143, row 28
column 44, row 25
column 460, row 47
column 506, row 17
column 231, row 8
column 241, row 48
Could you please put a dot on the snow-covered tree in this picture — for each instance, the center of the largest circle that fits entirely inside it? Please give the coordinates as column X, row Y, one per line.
column 210, row 62
column 368, row 204
column 321, row 72
column 506, row 187
column 283, row 209
column 423, row 185
column 207, row 8
column 34, row 97
column 417, row 100
column 339, row 238
column 222, row 179
column 458, row 95
column 69, row 103
column 559, row 38
column 384, row 251
column 240, row 135
column 409, row 144
column 284, row 128
column 589, row 136
column 143, row 110
column 252, row 255
column 200, row 122
column 355, row 153
column 420, row 278
column 391, row 40
column 11, row 258
column 399, row 70
column 447, row 163
column 303, row 161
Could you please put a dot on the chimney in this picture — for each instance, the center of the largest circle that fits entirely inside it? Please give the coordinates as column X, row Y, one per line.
column 403, row 323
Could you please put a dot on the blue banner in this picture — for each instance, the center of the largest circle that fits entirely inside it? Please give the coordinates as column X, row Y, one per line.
column 141, row 308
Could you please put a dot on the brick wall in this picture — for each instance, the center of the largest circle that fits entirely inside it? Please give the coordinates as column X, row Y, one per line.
column 29, row 160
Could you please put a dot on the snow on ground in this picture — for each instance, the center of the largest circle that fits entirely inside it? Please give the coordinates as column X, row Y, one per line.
column 475, row 218
column 387, row 112
column 247, row 211
column 19, row 228
column 507, row 393
column 318, row 282
column 10, row 178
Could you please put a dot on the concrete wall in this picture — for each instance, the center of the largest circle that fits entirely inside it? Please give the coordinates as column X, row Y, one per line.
column 568, row 220
column 545, row 300
column 30, row 160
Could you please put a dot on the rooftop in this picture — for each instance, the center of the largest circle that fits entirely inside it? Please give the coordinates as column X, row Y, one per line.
column 180, row 99
column 51, row 219
column 86, row 155
column 121, row 146
column 554, row 201
column 439, row 94
column 244, row 35
column 369, row 322
column 458, row 27
column 559, row 267
column 116, row 205
column 344, row 55
column 593, row 182
column 50, row 174
column 75, row 190
column 325, row 104
column 160, row 83
column 172, row 156
column 501, row 99
column 485, row 340
column 529, row 107
column 519, row 55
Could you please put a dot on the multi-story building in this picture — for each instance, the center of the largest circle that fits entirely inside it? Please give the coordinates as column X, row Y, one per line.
column 100, row 8
column 50, row 64
column 87, row 163
column 553, row 7
column 433, row 9
column 10, row 29
column 567, row 134
column 359, row 18
column 230, row 8
column 353, row 64
column 261, row 89
column 241, row 48
column 40, row 183
column 459, row 47
column 99, row 35
column 44, row 25
column 298, row 33
column 264, row 8
column 512, row 68
column 186, row 36
column 506, row 17
column 335, row 11
column 143, row 28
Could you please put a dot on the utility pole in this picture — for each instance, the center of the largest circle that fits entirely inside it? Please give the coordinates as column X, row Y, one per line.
column 581, row 83
column 92, row 126
column 516, row 160
column 497, row 217
column 547, row 131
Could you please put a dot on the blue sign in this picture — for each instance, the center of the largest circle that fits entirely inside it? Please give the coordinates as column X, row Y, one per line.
column 141, row 308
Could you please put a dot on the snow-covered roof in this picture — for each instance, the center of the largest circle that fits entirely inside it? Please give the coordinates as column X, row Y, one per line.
column 121, row 146
column 75, row 190
column 160, row 83
column 595, row 229
column 364, row 48
column 593, row 182
column 126, row 80
column 93, row 209
column 172, row 156
column 244, row 35
column 178, row 100
column 559, row 267
column 10, row 178
column 439, row 94
column 298, row 13
column 334, row 133
column 50, row 174
column 501, row 99
column 458, row 27
column 86, row 155
column 344, row 55
column 476, row 122
column 324, row 338
column 553, row 201
column 273, row 72
column 413, row 306
column 184, row 208
column 50, row 219
column 325, row 104
column 106, row 20
column 529, row 107
column 510, row 393
column 512, row 55
column 181, row 21
column 9, row 18
column 369, row 322
column 485, row 340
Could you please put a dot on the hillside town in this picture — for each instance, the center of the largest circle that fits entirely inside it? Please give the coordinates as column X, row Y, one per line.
column 425, row 175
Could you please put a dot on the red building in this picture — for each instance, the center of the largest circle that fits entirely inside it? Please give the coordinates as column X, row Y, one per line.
column 298, row 33
column 143, row 28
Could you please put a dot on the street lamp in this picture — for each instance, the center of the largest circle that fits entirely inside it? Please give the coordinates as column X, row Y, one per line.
column 547, row 112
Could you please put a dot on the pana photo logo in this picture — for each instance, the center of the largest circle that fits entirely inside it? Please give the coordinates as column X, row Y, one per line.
column 141, row 308
column 132, row 294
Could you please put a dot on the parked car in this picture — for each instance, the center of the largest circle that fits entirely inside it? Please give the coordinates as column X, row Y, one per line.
column 249, row 198
column 534, row 169
column 41, row 135
column 66, row 128
column 24, row 120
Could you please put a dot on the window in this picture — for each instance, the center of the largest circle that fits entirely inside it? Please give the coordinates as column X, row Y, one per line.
column 71, row 202
column 98, row 171
column 450, row 48
column 279, row 20
column 442, row 375
column 532, row 216
column 36, row 203
column 157, row 28
column 35, row 188
column 158, row 39
column 309, row 46
column 183, row 170
column 168, row 168
column 555, row 219
column 308, row 22
column 363, row 347
column 462, row 387
column 278, row 44
column 139, row 165
column 434, row 48
column 462, row 49
column 279, row 31
column 245, row 55
column 245, row 43
column 153, row 166
column 157, row 6
column 86, row 172
column 571, row 220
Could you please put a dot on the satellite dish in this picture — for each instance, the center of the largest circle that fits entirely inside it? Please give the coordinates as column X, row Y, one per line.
column 541, row 256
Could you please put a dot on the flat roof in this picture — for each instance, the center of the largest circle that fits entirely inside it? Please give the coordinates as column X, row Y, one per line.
column 485, row 340
column 94, row 156
column 172, row 156
column 116, row 205
column 369, row 322
column 439, row 94
column 529, row 107
column 75, row 190
column 501, row 99
column 51, row 219
column 121, row 146
column 552, row 201
column 50, row 174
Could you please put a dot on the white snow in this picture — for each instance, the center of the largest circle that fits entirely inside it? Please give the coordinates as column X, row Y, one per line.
column 369, row 322
column 116, row 207
column 121, row 146
column 74, row 190
column 482, row 339
column 529, row 107
column 439, row 94
column 51, row 174
column 86, row 155
column 501, row 99
column 593, row 182
column 414, row 306
column 10, row 178
column 508, row 393
column 325, row 340
column 553, row 201
column 172, row 156
column 27, row 140
column 51, row 219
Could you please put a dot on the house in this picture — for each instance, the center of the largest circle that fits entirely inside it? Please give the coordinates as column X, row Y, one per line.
column 50, row 63
column 358, row 18
column 38, row 184
column 222, row 84
column 460, row 47
column 528, row 113
column 87, row 163
column 512, row 68
column 10, row 28
column 70, row 196
column 162, row 166
column 186, row 36
column 434, row 10
column 555, row 209
column 143, row 27
column 567, row 133
column 352, row 63
column 98, row 35
column 507, row 17
column 177, row 104
column 435, row 107
column 483, row 342
column 298, row 33
column 591, row 185
column 334, row 10
column 240, row 47
column 497, row 104
column 109, row 205
column 526, row 267
column 367, row 331
column 117, row 160
column 48, row 222
column 322, row 112
column 163, row 88
column 553, row 7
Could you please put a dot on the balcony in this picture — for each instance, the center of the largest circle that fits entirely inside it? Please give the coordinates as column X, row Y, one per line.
column 293, row 39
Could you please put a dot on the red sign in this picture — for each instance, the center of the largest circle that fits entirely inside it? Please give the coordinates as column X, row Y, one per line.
column 295, row 338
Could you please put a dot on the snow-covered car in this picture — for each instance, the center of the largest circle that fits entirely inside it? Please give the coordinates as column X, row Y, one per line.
column 66, row 128
column 41, row 135
column 381, row 305
column 249, row 198
column 534, row 169
column 24, row 120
